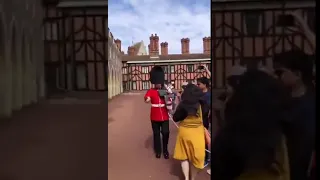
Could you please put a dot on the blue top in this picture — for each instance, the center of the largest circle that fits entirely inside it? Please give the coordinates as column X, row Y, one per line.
column 207, row 97
column 300, row 131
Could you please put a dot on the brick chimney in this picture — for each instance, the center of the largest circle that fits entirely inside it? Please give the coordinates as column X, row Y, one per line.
column 131, row 51
column 185, row 45
column 156, row 42
column 118, row 43
column 151, row 45
column 207, row 45
column 149, row 50
column 164, row 48
column 154, row 45
column 205, row 50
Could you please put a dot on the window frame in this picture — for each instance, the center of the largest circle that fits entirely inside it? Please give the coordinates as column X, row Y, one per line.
column 134, row 85
column 172, row 68
column 144, row 69
column 147, row 85
column 190, row 66
column 248, row 18
column 311, row 16
column 164, row 68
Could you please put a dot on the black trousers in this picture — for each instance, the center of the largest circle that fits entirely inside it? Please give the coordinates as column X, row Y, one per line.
column 206, row 124
column 162, row 128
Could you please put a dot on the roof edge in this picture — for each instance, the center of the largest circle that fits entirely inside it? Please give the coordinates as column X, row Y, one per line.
column 71, row 4
column 168, row 61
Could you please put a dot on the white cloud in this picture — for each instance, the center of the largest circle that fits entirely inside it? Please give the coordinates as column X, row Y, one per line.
column 136, row 20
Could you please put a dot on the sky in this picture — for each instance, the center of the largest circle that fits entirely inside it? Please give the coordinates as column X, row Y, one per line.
column 135, row 20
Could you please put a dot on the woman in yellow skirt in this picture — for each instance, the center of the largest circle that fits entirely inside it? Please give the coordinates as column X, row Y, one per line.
column 190, row 144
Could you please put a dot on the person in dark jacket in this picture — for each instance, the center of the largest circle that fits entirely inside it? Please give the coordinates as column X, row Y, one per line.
column 295, row 69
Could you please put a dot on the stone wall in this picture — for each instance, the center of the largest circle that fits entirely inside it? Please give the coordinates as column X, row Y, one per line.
column 115, row 86
column 21, row 54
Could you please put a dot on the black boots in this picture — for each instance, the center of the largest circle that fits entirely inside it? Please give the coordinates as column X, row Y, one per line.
column 158, row 155
column 165, row 155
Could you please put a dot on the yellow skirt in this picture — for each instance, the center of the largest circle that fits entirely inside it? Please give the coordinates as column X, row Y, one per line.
column 190, row 145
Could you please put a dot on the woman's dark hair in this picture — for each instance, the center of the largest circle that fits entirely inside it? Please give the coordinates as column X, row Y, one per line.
column 191, row 98
column 297, row 61
column 204, row 81
column 253, row 116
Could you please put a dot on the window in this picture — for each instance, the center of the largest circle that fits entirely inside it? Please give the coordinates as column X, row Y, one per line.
column 81, row 77
column 252, row 22
column 144, row 69
column 311, row 20
column 164, row 68
column 124, row 70
column 134, row 85
column 190, row 68
column 172, row 69
column 145, row 85
column 209, row 67
column 124, row 86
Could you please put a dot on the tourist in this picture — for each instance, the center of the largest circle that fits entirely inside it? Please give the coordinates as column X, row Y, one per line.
column 251, row 144
column 204, row 84
column 190, row 143
column 295, row 69
column 233, row 79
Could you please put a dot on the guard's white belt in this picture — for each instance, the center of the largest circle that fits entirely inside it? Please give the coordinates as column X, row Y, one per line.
column 158, row 105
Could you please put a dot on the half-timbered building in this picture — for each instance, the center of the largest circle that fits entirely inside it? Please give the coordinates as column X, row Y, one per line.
column 250, row 32
column 178, row 67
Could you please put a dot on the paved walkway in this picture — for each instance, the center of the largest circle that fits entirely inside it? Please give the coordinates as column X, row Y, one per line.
column 130, row 152
column 65, row 139
column 61, row 139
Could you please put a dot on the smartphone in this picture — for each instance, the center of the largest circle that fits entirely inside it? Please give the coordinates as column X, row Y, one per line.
column 201, row 67
column 285, row 20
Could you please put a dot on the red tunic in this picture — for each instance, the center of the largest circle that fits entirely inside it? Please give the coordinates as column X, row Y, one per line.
column 157, row 113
